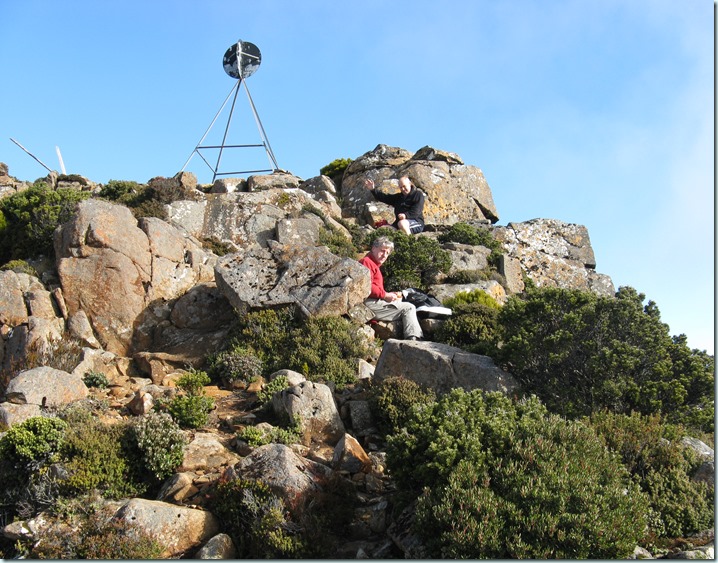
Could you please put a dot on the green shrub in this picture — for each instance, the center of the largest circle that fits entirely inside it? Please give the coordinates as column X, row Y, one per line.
column 125, row 192
column 582, row 353
column 96, row 535
column 504, row 479
column 463, row 233
column 31, row 217
column 239, row 363
column 267, row 332
column 662, row 466
column 193, row 382
column 94, row 458
column 468, row 276
column 392, row 399
column 257, row 520
column 96, row 379
column 150, row 208
column 160, row 443
column 323, row 349
column 326, row 349
column 20, row 267
column 191, row 411
column 474, row 296
column 26, row 451
column 337, row 242
column 217, row 247
column 274, row 386
column 33, row 443
column 335, row 169
column 256, row 437
column 473, row 326
column 415, row 262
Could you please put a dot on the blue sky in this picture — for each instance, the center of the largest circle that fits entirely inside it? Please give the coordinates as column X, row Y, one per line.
column 596, row 113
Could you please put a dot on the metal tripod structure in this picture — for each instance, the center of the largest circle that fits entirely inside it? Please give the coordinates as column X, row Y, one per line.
column 240, row 61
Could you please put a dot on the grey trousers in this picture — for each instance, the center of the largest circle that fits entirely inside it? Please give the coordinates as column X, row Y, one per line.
column 384, row 311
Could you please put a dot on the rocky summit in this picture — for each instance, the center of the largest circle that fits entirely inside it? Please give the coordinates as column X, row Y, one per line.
column 150, row 298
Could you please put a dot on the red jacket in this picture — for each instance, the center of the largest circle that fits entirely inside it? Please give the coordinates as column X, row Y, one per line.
column 377, row 279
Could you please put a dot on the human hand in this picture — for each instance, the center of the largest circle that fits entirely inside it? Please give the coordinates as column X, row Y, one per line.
column 401, row 216
column 369, row 184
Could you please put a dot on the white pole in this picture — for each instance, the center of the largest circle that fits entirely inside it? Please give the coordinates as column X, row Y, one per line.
column 59, row 157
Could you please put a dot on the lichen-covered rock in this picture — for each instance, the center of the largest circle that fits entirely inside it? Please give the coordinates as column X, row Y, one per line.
column 555, row 254
column 441, row 367
column 312, row 278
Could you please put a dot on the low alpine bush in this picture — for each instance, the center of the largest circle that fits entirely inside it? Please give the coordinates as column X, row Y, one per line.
column 30, row 218
column 257, row 520
column 392, row 399
column 502, row 479
column 191, row 409
column 652, row 452
column 473, row 326
column 159, row 443
column 416, row 261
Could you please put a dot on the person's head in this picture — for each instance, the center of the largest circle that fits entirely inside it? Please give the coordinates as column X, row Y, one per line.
column 405, row 185
column 381, row 248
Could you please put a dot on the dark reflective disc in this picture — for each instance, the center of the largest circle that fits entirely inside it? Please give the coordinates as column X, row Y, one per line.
column 242, row 59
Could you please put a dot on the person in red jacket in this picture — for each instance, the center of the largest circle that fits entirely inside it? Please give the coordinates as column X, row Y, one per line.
column 388, row 306
column 408, row 205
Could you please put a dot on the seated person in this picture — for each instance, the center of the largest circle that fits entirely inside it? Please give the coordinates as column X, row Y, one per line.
column 408, row 205
column 388, row 306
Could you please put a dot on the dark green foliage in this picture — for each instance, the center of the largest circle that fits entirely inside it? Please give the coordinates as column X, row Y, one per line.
column 326, row 349
column 96, row 379
column 145, row 200
column 415, row 262
column 337, row 242
column 508, row 480
column 217, row 247
column 96, row 535
column 581, row 353
column 193, row 382
column 694, row 371
column 472, row 327
column 30, row 218
column 335, row 169
column 267, row 332
column 239, row 363
column 94, row 458
column 662, row 467
column 127, row 193
column 159, row 443
column 267, row 392
column 323, row 349
column 463, row 233
column 19, row 266
column 33, row 442
column 26, row 451
column 191, row 409
column 257, row 520
column 392, row 399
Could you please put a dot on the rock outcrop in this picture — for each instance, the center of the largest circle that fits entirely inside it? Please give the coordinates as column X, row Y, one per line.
column 454, row 191
column 144, row 299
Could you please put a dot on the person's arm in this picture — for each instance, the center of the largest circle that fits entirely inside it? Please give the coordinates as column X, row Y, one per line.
column 377, row 280
column 389, row 199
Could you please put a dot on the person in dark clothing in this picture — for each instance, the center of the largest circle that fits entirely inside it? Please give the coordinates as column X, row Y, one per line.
column 408, row 205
